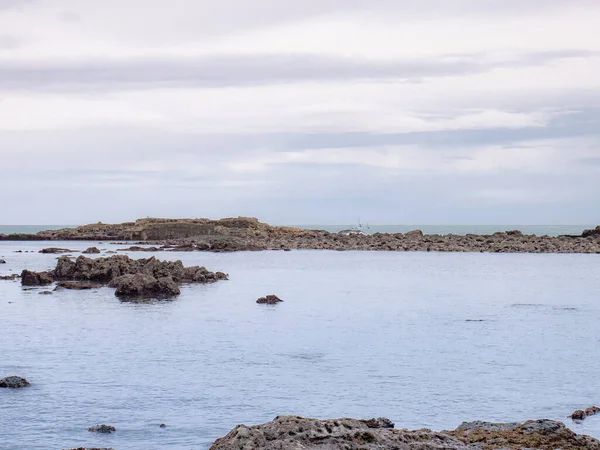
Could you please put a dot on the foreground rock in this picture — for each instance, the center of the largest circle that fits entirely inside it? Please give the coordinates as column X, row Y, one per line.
column 269, row 300
column 141, row 285
column 14, row 382
column 106, row 429
column 142, row 278
column 29, row 278
column 581, row 414
column 293, row 432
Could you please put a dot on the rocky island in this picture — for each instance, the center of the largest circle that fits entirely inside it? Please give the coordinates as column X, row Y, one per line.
column 244, row 233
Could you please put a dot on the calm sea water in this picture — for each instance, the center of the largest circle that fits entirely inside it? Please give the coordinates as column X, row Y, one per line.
column 550, row 230
column 360, row 334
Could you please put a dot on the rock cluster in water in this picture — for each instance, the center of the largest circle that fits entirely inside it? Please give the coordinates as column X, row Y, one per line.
column 14, row 382
column 106, row 429
column 294, row 432
column 142, row 278
column 244, row 233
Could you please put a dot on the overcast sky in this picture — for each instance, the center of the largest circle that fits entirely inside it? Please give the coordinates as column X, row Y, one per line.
column 299, row 112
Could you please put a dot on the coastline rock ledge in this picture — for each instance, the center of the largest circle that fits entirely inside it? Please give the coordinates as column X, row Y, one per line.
column 299, row 433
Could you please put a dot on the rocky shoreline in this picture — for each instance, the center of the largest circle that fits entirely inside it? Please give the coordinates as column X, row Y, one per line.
column 248, row 234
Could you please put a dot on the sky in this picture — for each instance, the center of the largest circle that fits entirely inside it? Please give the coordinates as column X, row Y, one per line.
column 300, row 112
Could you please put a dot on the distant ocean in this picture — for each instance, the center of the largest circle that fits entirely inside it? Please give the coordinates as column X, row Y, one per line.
column 550, row 230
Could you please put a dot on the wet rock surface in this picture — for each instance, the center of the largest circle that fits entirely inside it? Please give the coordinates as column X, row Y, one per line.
column 294, row 432
column 105, row 429
column 269, row 300
column 13, row 276
column 2, row 261
column 91, row 250
column 14, row 382
column 141, row 278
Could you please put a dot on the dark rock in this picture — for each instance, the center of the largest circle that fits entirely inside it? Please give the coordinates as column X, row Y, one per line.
column 2, row 261
column 162, row 425
column 29, row 278
column 55, row 250
column 90, row 448
column 91, row 250
column 14, row 382
column 381, row 422
column 595, row 232
column 141, row 286
column 45, row 293
column 102, row 429
column 269, row 300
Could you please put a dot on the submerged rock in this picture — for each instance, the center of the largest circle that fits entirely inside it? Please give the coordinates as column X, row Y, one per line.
column 90, row 448
column 29, row 278
column 269, row 300
column 102, row 429
column 76, row 285
column 14, row 382
column 91, row 250
column 54, row 250
column 294, row 432
column 13, row 276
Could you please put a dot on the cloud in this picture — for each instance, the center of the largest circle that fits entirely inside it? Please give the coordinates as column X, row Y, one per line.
column 255, row 69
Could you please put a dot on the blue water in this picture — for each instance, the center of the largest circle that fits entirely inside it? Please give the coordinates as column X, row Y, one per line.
column 360, row 334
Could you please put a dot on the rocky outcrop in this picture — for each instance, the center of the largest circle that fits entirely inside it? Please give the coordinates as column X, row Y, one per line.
column 106, row 429
column 143, row 286
column 141, row 278
column 581, row 414
column 29, row 278
column 2, row 261
column 91, row 250
column 294, row 432
column 269, row 300
column 13, row 382
column 244, row 233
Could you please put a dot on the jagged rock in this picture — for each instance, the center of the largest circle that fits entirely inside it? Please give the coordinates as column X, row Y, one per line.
column 581, row 414
column 2, row 261
column 197, row 274
column 102, row 429
column 14, row 382
column 29, row 278
column 595, row 232
column 142, row 285
column 91, row 250
column 298, row 433
column 55, row 250
column 269, row 300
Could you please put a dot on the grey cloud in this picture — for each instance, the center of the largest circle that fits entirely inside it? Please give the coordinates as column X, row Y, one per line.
column 249, row 70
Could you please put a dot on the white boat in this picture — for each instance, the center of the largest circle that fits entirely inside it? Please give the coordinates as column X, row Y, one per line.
column 356, row 230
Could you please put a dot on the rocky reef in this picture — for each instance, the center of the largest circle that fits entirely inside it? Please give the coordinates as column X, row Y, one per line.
column 294, row 432
column 141, row 278
column 245, row 233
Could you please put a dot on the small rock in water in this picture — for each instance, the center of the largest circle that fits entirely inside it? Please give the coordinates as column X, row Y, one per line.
column 2, row 261
column 13, row 382
column 45, row 293
column 269, row 300
column 581, row 414
column 102, row 429
column 91, row 250
column 90, row 448
column 162, row 425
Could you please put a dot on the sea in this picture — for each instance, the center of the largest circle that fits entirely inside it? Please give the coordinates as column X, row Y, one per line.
column 426, row 339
